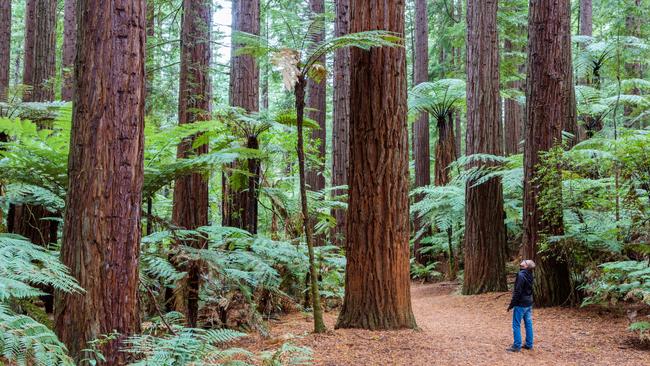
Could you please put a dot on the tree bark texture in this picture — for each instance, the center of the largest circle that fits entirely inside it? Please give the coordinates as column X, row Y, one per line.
column 589, row 123
column 239, row 206
column 44, row 51
column 102, row 230
column 485, row 231
column 28, row 48
column 341, row 117
column 570, row 119
column 317, row 105
column 421, row 148
column 69, row 48
column 190, row 209
column 514, row 115
column 5, row 47
column 586, row 18
column 377, row 284
column 546, row 112
column 445, row 149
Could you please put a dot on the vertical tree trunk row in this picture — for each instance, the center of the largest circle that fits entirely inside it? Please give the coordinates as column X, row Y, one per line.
column 340, row 119
column 514, row 115
column 239, row 207
column 421, row 149
column 69, row 48
column 377, row 284
column 548, row 75
column 101, row 236
column 190, row 209
column 485, row 231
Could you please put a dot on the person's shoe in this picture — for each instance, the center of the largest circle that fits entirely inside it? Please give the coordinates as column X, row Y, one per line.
column 528, row 348
column 513, row 349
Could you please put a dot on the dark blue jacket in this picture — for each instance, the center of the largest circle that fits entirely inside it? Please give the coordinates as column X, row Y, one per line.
column 522, row 295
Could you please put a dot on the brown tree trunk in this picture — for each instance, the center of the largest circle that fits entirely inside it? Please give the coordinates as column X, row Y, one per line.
column 586, row 29
column 5, row 48
column 69, row 48
column 341, row 118
column 190, row 209
column 421, row 149
column 377, row 284
column 44, row 52
column 317, row 104
column 445, row 150
column 548, row 74
column 40, row 35
column 239, row 206
column 485, row 230
column 570, row 119
column 101, row 234
column 514, row 115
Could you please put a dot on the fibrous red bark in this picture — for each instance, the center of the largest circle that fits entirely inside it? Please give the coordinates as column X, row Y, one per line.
column 341, row 117
column 485, row 231
column 377, row 284
column 101, row 234
column 421, row 148
column 69, row 48
column 190, row 209
column 548, row 75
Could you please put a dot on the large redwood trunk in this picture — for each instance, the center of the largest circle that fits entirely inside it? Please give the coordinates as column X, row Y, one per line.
column 548, row 75
column 514, row 116
column 485, row 231
column 570, row 119
column 69, row 47
column 377, row 285
column 445, row 150
column 190, row 209
column 239, row 206
column 102, row 230
column 5, row 48
column 341, row 117
column 421, row 149
column 317, row 104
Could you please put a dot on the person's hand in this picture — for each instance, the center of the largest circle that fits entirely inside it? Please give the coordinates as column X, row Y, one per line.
column 509, row 308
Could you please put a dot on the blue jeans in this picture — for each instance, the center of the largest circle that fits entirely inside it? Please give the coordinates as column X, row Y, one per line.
column 527, row 314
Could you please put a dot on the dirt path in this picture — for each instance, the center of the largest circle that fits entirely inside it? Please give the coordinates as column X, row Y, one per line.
column 466, row 330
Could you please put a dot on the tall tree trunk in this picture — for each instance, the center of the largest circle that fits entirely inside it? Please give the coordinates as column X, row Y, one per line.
column 514, row 115
column 377, row 284
column 69, row 48
column 317, row 104
column 586, row 29
column 445, row 150
column 239, row 206
column 485, row 230
column 190, row 209
column 5, row 48
column 341, row 117
column 548, row 74
column 40, row 36
column 44, row 47
column 570, row 119
column 421, row 149
column 101, row 235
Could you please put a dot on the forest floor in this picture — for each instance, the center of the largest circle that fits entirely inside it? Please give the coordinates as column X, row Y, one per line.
column 465, row 330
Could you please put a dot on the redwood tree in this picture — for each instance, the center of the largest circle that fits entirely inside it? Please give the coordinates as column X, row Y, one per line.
column 5, row 48
column 377, row 284
column 69, row 47
column 239, row 206
column 316, row 105
column 190, row 209
column 341, row 115
column 421, row 149
column 485, row 231
column 548, row 75
column 101, row 234
column 44, row 51
column 513, row 120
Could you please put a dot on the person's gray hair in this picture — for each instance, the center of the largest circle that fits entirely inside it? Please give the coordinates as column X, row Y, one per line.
column 529, row 264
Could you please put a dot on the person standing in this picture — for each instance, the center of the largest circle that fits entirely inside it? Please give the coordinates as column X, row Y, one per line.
column 522, row 303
